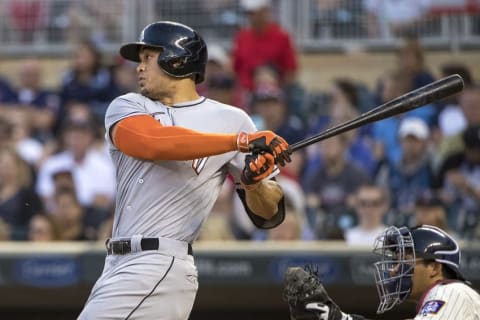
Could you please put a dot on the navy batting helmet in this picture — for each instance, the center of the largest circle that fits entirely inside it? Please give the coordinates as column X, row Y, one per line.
column 184, row 53
column 399, row 248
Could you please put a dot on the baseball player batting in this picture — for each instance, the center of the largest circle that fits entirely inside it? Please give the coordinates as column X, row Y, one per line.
column 420, row 264
column 173, row 149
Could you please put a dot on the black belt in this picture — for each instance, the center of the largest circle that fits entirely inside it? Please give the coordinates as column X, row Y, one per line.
column 125, row 246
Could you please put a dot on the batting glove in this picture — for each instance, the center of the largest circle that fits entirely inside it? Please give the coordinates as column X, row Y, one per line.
column 257, row 167
column 265, row 141
column 307, row 298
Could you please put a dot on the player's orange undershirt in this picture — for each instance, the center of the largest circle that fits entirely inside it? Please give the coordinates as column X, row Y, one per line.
column 145, row 138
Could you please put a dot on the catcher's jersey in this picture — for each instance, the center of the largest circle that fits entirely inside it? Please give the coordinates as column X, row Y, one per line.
column 172, row 198
column 450, row 301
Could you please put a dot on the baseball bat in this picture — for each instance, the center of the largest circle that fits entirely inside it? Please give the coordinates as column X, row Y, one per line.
column 411, row 100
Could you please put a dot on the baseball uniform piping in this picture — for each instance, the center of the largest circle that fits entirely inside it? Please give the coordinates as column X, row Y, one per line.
column 201, row 100
column 150, row 293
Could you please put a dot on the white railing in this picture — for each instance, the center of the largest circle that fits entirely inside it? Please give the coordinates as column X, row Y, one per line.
column 50, row 26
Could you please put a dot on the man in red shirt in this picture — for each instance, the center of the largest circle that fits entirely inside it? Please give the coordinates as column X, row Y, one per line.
column 264, row 42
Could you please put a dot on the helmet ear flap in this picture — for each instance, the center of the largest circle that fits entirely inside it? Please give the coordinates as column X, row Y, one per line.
column 177, row 63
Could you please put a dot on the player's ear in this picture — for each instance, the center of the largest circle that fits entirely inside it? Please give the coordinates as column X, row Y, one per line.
column 436, row 269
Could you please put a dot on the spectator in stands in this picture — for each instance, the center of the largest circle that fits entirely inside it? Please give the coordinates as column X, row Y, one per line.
column 218, row 64
column 92, row 172
column 343, row 105
column 269, row 103
column 43, row 104
column 217, row 226
column 222, row 88
column 411, row 72
column 98, row 20
column 450, row 120
column 411, row 60
column 18, row 201
column 82, row 113
column 88, row 81
column 385, row 132
column 77, row 111
column 28, row 148
column 459, row 178
column 262, row 42
column 69, row 214
column 220, row 83
column 338, row 19
column 395, row 17
column 63, row 179
column 413, row 173
column 43, row 227
column 296, row 197
column 266, row 75
column 26, row 17
column 6, row 133
column 469, row 102
column 125, row 76
column 7, row 94
column 371, row 205
column 330, row 189
column 430, row 209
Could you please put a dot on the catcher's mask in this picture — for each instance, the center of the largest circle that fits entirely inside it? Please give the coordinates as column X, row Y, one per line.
column 399, row 248
column 393, row 273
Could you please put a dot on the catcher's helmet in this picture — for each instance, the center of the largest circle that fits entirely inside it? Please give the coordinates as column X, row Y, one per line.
column 432, row 243
column 398, row 248
column 184, row 52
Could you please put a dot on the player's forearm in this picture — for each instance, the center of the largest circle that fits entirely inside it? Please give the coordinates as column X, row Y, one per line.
column 142, row 137
column 264, row 199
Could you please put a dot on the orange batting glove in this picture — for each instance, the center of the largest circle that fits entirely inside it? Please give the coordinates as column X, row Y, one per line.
column 265, row 141
column 257, row 167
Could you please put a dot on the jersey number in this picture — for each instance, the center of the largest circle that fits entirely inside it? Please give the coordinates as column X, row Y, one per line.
column 199, row 164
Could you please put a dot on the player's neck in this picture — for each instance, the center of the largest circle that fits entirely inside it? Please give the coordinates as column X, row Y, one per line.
column 184, row 91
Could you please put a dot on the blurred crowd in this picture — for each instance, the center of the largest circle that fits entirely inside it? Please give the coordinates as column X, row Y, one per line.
column 107, row 21
column 57, row 181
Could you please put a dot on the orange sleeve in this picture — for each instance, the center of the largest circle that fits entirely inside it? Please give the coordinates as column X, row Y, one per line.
column 145, row 138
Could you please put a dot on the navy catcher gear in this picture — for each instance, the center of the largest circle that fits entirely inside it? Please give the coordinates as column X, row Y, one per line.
column 399, row 248
column 184, row 52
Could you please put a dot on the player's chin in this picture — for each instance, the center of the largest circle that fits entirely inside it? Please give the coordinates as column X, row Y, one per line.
column 144, row 91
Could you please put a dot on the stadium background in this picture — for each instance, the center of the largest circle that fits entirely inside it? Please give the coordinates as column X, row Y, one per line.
column 238, row 279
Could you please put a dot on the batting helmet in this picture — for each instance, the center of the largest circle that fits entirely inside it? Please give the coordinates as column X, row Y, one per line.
column 184, row 52
column 398, row 248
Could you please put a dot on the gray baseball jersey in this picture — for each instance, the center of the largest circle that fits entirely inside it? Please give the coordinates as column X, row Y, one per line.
column 449, row 301
column 168, row 200
column 172, row 198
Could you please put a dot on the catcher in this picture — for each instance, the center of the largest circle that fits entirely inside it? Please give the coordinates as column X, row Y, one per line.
column 419, row 264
